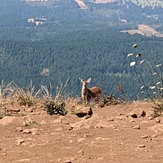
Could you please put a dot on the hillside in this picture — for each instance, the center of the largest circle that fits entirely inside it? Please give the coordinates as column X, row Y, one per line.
column 54, row 42
column 143, row 3
column 122, row 14
column 144, row 30
column 109, row 135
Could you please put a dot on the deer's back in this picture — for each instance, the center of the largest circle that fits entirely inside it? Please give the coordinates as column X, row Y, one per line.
column 96, row 91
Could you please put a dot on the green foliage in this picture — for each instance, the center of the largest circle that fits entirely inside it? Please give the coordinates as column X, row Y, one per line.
column 97, row 54
column 109, row 100
column 1, row 115
column 158, row 110
column 55, row 107
column 72, row 111
column 25, row 100
column 33, row 122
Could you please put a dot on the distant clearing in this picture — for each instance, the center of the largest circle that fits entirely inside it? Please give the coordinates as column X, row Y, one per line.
column 104, row 1
column 144, row 30
column 81, row 4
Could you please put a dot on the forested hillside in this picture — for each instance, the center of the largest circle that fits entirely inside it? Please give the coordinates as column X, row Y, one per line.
column 58, row 42
column 101, row 55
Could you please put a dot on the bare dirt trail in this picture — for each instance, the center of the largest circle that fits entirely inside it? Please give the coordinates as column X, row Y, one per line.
column 110, row 135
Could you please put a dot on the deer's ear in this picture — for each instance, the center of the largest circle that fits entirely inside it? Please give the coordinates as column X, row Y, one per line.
column 88, row 80
column 81, row 79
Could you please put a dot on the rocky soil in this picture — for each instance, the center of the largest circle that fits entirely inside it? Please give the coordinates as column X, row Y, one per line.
column 122, row 133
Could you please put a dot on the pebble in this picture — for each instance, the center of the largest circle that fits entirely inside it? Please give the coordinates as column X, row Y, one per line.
column 18, row 129
column 157, row 120
column 57, row 121
column 3, row 154
column 43, row 122
column 81, row 152
column 19, row 141
column 110, row 119
column 27, row 131
column 144, row 137
column 81, row 139
column 141, row 146
column 136, row 127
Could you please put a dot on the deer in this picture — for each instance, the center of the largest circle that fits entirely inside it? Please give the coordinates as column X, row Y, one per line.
column 90, row 93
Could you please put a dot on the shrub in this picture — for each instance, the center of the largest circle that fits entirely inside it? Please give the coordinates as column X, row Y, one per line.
column 24, row 99
column 150, row 78
column 55, row 107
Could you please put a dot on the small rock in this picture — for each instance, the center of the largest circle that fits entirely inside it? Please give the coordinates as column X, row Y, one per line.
column 81, row 139
column 57, row 121
column 136, row 127
column 144, row 122
column 144, row 137
column 157, row 120
column 85, row 135
column 157, row 128
column 132, row 120
column 26, row 131
column 7, row 120
column 69, row 160
column 35, row 133
column 24, row 144
column 137, row 113
column 86, row 112
column 141, row 145
column 14, row 110
column 58, row 129
column 19, row 141
column 43, row 122
column 121, row 117
column 18, row 129
column 29, row 109
column 100, row 158
column 67, row 123
column 81, row 152
column 100, row 138
column 23, row 160
column 26, row 120
column 104, row 124
column 150, row 118
column 153, row 136
column 110, row 119
column 3, row 154
column 59, row 160
column 71, row 141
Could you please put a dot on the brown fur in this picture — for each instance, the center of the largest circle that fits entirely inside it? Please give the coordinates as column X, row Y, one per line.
column 90, row 93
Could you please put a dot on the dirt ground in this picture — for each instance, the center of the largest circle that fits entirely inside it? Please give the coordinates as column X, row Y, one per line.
column 122, row 133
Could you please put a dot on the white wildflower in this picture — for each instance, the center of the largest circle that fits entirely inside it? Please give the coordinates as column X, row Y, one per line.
column 161, row 88
column 129, row 55
column 142, row 61
column 142, row 87
column 154, row 93
column 158, row 83
column 142, row 92
column 159, row 65
column 135, row 45
column 132, row 64
column 138, row 55
column 152, row 87
column 154, row 74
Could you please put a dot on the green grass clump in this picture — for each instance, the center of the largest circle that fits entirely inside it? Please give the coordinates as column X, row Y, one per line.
column 54, row 107
column 158, row 110
column 25, row 100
